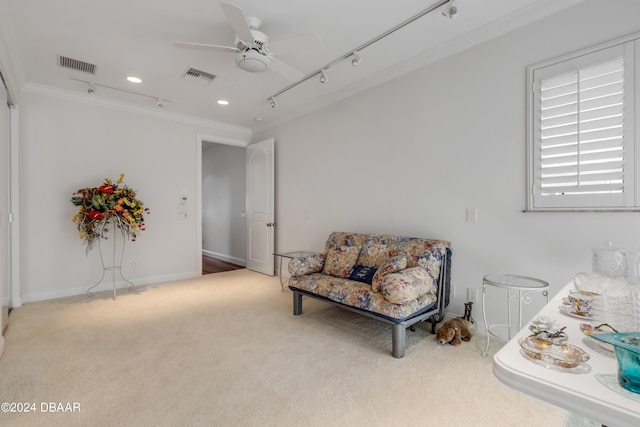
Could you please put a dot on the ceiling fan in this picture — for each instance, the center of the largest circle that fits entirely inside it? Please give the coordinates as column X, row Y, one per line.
column 253, row 48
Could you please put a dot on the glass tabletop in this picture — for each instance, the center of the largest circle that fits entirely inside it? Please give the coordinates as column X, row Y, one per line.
column 295, row 254
column 514, row 281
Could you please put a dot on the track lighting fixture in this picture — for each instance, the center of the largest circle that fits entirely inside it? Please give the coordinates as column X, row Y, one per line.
column 92, row 90
column 273, row 103
column 355, row 59
column 323, row 76
column 451, row 11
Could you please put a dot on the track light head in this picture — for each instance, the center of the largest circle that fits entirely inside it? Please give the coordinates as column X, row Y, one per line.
column 273, row 103
column 355, row 59
column 323, row 77
column 451, row 11
column 159, row 104
column 92, row 89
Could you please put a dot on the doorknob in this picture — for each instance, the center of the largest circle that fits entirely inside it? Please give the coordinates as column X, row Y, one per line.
column 271, row 224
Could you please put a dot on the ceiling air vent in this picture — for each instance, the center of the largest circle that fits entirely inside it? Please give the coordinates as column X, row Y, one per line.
column 76, row 64
column 193, row 74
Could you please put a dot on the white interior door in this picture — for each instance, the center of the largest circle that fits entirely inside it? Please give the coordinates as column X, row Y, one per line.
column 260, row 201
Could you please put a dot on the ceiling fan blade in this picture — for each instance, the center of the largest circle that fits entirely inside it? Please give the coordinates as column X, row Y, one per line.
column 238, row 22
column 294, row 44
column 285, row 70
column 207, row 46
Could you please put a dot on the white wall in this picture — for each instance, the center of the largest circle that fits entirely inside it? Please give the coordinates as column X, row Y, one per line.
column 223, row 201
column 66, row 145
column 410, row 156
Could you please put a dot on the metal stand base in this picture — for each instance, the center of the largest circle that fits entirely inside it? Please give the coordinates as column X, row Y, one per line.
column 113, row 267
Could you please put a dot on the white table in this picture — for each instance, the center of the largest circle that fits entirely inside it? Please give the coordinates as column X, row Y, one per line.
column 583, row 394
column 519, row 288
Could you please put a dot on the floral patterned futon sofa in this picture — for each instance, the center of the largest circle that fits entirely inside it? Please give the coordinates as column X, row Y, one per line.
column 397, row 280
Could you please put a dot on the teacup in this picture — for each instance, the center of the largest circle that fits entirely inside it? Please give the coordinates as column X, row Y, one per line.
column 582, row 301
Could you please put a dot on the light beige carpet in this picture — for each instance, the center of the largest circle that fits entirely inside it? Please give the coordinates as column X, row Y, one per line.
column 225, row 350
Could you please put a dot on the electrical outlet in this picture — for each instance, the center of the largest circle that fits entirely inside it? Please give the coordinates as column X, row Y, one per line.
column 472, row 295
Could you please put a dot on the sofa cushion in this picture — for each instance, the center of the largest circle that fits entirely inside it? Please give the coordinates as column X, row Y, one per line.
column 391, row 266
column 359, row 295
column 341, row 238
column 362, row 273
column 407, row 285
column 304, row 265
column 340, row 260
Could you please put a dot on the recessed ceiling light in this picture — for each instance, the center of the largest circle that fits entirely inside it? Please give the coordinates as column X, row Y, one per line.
column 134, row 79
column 223, row 102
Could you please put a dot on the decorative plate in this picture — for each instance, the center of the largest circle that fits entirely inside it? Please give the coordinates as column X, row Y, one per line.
column 564, row 356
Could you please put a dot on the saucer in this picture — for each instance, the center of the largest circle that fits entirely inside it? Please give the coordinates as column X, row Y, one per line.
column 589, row 329
column 566, row 309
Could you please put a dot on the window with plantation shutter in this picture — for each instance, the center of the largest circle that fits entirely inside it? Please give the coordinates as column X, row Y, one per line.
column 581, row 131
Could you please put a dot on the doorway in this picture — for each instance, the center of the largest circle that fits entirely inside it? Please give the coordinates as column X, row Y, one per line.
column 223, row 207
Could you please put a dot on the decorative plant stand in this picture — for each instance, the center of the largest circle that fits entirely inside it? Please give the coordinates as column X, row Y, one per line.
column 115, row 266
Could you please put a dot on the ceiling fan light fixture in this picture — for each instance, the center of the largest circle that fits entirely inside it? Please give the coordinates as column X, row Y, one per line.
column 252, row 61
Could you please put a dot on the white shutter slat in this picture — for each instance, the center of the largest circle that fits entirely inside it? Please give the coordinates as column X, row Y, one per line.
column 599, row 92
column 612, row 99
column 601, row 124
column 556, row 151
column 560, row 110
column 602, row 134
column 559, row 80
column 559, row 140
column 560, row 120
column 608, row 111
column 601, row 79
column 565, row 91
column 610, row 66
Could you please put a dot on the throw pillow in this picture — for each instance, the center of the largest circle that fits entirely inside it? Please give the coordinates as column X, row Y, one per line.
column 306, row 265
column 406, row 285
column 394, row 264
column 362, row 273
column 340, row 260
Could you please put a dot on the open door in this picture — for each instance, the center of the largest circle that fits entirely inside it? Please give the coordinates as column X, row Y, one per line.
column 5, row 223
column 260, row 202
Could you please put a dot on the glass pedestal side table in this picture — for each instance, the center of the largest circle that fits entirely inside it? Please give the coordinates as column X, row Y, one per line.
column 519, row 288
column 290, row 255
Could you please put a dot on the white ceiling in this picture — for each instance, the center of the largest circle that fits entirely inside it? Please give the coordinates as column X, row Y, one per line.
column 136, row 37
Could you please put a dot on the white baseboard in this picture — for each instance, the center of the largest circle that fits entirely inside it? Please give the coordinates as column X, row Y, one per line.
column 108, row 286
column 227, row 258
